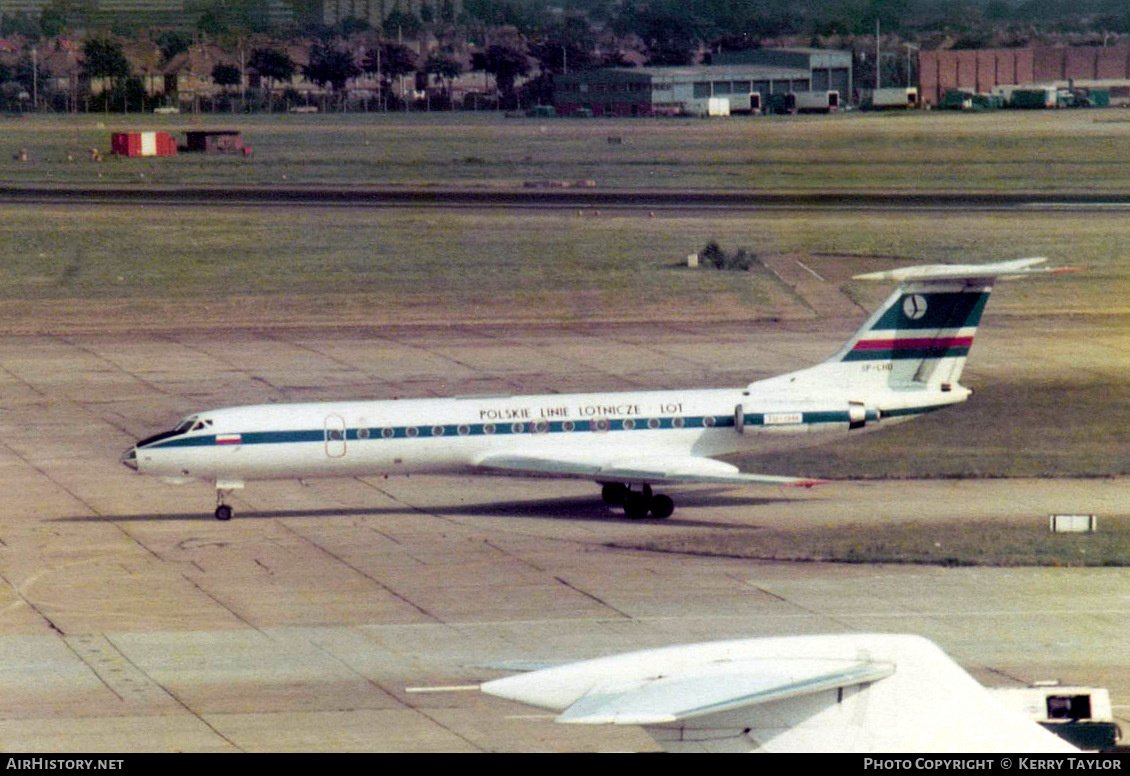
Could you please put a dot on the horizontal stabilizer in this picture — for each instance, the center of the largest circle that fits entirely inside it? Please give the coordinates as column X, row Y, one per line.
column 715, row 689
column 649, row 469
column 1000, row 269
column 843, row 692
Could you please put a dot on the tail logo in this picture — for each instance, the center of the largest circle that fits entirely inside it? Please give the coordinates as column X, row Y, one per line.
column 914, row 306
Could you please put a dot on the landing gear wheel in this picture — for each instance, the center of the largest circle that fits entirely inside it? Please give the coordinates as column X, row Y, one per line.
column 613, row 493
column 636, row 505
column 662, row 506
column 223, row 512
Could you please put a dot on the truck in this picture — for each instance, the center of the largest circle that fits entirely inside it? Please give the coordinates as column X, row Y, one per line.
column 1082, row 716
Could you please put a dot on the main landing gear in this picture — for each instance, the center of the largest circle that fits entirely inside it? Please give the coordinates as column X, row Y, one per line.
column 637, row 503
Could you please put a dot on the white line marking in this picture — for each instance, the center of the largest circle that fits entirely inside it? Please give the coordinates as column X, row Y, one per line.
column 805, row 267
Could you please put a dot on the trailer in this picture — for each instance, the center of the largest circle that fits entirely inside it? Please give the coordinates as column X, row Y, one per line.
column 749, row 104
column 709, row 106
column 892, row 98
column 817, row 102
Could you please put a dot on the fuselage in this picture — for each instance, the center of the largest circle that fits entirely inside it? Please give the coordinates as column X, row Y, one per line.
column 333, row 439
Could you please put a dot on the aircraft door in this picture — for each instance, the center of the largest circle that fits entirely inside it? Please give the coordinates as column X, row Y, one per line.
column 335, row 436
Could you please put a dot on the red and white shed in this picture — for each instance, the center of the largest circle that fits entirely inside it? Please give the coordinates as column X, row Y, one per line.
column 143, row 144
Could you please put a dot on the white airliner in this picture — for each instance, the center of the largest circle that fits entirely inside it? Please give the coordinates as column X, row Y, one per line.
column 906, row 360
column 862, row 693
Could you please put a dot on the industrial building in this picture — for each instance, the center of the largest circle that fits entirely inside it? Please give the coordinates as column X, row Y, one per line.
column 656, row 91
column 986, row 70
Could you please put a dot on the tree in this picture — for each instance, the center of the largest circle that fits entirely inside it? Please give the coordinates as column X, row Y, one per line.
column 443, row 68
column 53, row 20
column 273, row 65
column 34, row 77
column 21, row 24
column 226, row 75
column 671, row 29
column 506, row 65
column 398, row 24
column 331, row 66
column 172, row 42
column 565, row 47
column 390, row 61
column 104, row 58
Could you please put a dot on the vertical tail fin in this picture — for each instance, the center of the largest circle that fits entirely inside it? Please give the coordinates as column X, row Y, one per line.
column 922, row 334
column 918, row 340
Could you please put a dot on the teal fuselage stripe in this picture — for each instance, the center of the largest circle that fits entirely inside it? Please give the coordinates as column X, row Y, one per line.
column 513, row 429
column 898, row 354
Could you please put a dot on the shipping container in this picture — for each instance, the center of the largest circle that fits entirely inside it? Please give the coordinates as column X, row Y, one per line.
column 1034, row 97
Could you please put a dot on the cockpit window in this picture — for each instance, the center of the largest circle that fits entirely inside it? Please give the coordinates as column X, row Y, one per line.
column 192, row 423
column 184, row 426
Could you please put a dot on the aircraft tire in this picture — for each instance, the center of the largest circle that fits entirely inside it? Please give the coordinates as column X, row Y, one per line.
column 662, row 506
column 223, row 512
column 613, row 493
column 636, row 505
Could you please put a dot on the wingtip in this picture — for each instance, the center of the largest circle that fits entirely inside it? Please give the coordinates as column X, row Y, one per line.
column 807, row 483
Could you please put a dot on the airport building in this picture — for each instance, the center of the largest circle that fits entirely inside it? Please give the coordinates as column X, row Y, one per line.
column 657, row 91
column 985, row 70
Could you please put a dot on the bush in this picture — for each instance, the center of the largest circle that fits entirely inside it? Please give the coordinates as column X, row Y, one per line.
column 713, row 256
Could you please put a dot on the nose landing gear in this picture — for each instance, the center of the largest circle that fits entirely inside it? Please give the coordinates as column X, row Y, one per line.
column 223, row 511
column 223, row 490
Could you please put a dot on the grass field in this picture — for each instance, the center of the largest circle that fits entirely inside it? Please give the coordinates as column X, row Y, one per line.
column 922, row 151
column 1059, row 411
column 455, row 265
column 960, row 543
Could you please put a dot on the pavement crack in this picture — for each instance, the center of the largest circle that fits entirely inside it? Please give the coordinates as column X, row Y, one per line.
column 394, row 593
column 592, row 597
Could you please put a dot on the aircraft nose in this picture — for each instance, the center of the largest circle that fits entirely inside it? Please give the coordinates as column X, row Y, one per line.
column 129, row 458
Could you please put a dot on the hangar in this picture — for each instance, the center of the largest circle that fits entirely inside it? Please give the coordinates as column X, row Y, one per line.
column 656, row 91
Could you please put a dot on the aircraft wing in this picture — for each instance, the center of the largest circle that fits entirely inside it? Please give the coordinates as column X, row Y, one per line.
column 715, row 690
column 641, row 469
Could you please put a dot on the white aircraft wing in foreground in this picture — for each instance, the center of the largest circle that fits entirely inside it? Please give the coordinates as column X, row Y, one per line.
column 906, row 360
column 876, row 693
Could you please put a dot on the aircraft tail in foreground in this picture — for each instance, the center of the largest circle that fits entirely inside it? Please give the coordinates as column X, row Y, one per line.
column 840, row 693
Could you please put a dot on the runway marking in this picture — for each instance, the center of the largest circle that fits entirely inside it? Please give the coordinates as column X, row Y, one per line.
column 443, row 688
column 810, row 270
column 117, row 673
